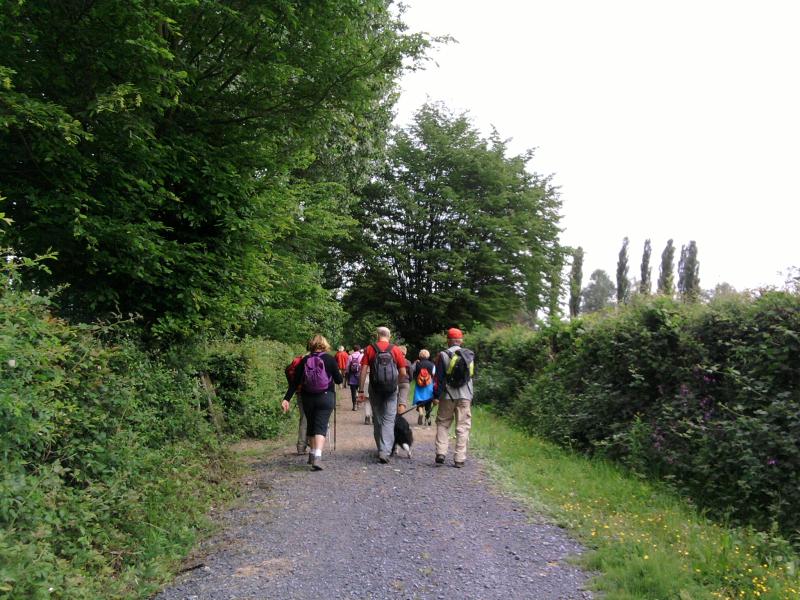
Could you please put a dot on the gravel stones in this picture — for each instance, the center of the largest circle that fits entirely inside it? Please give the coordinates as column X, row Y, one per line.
column 359, row 529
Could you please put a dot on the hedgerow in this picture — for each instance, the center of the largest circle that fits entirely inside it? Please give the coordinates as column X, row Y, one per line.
column 706, row 397
column 109, row 458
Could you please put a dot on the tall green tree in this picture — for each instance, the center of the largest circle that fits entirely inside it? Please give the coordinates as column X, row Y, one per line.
column 599, row 293
column 455, row 231
column 164, row 149
column 575, row 282
column 623, row 284
column 666, row 277
column 646, row 271
column 689, row 273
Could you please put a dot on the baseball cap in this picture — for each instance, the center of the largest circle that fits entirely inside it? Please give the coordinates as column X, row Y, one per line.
column 454, row 334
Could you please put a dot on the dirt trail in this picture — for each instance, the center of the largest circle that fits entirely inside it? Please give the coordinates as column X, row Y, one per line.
column 360, row 529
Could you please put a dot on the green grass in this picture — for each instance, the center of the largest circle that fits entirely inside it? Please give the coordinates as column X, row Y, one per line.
column 645, row 542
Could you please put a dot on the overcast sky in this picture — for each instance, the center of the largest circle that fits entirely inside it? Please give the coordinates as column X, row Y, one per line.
column 673, row 119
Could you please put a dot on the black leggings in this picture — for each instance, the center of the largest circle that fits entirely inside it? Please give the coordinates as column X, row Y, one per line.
column 353, row 389
column 318, row 409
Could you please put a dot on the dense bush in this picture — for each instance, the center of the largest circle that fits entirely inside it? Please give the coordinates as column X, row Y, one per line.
column 108, row 460
column 705, row 396
column 249, row 380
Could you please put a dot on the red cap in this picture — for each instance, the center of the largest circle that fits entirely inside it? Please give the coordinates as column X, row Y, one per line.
column 454, row 334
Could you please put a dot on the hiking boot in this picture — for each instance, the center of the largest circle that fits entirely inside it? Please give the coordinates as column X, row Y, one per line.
column 419, row 420
column 310, row 458
column 440, row 459
column 354, row 408
column 458, row 464
column 316, row 463
column 383, row 459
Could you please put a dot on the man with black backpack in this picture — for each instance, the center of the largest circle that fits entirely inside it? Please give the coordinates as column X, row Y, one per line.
column 454, row 373
column 385, row 364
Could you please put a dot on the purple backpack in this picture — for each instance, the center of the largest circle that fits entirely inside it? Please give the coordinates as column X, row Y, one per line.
column 315, row 378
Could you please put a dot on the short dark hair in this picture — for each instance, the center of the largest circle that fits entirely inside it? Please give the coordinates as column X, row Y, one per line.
column 356, row 347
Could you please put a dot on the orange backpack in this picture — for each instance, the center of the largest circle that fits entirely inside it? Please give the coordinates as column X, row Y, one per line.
column 424, row 378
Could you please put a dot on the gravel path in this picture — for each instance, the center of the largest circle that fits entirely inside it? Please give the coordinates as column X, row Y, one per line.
column 360, row 529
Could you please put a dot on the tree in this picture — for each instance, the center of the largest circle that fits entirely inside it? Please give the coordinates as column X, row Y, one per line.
column 689, row 273
column 555, row 287
column 623, row 285
column 164, row 149
column 644, row 282
column 575, row 282
column 454, row 231
column 666, row 284
column 599, row 294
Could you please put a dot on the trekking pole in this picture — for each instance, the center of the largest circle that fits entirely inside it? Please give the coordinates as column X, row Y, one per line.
column 334, row 423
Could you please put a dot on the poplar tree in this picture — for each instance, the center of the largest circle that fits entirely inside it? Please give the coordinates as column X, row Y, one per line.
column 689, row 273
column 575, row 282
column 666, row 281
column 644, row 282
column 623, row 285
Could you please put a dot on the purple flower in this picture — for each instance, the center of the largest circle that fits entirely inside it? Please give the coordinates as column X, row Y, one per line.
column 772, row 461
column 684, row 390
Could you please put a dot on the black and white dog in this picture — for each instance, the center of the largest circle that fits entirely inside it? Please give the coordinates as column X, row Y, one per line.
column 403, row 437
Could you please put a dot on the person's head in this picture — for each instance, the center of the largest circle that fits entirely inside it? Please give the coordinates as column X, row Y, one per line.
column 455, row 337
column 424, row 354
column 318, row 343
column 341, row 348
column 383, row 333
column 403, row 349
column 356, row 348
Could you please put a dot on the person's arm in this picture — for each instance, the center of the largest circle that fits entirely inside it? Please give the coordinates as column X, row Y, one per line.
column 333, row 369
column 362, row 375
column 400, row 359
column 440, row 379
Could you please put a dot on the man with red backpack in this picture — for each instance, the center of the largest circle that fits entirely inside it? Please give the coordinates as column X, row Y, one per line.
column 385, row 364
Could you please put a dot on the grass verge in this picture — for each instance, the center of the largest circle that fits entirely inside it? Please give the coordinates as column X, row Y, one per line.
column 644, row 542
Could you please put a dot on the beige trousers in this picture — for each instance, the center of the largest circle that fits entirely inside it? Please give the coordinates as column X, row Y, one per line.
column 460, row 408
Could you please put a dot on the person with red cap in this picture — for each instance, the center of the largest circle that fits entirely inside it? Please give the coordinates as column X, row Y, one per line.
column 454, row 376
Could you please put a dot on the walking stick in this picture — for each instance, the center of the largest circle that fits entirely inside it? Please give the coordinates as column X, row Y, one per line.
column 334, row 425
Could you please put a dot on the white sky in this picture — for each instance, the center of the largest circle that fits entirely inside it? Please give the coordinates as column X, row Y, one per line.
column 673, row 119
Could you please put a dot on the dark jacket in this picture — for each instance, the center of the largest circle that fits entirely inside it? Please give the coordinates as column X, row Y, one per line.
column 331, row 368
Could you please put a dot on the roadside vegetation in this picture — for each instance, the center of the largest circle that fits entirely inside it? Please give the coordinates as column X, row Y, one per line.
column 645, row 542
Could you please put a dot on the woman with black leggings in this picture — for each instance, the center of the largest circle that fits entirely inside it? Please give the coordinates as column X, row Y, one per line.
column 318, row 406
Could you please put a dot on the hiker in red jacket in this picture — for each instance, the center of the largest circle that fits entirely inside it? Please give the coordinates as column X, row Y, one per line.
column 341, row 361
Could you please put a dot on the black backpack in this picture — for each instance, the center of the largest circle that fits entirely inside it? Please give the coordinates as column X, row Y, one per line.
column 461, row 367
column 383, row 373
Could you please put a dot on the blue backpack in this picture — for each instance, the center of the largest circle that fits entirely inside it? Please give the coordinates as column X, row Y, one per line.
column 315, row 377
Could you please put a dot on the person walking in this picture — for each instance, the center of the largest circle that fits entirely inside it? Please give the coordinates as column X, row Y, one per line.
column 341, row 362
column 385, row 365
column 351, row 373
column 302, row 439
column 403, row 383
column 424, row 373
column 318, row 373
column 455, row 387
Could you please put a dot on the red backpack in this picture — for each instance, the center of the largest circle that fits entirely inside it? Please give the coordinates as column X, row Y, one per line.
column 290, row 370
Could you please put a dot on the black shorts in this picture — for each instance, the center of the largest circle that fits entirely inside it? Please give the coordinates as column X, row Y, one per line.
column 318, row 409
